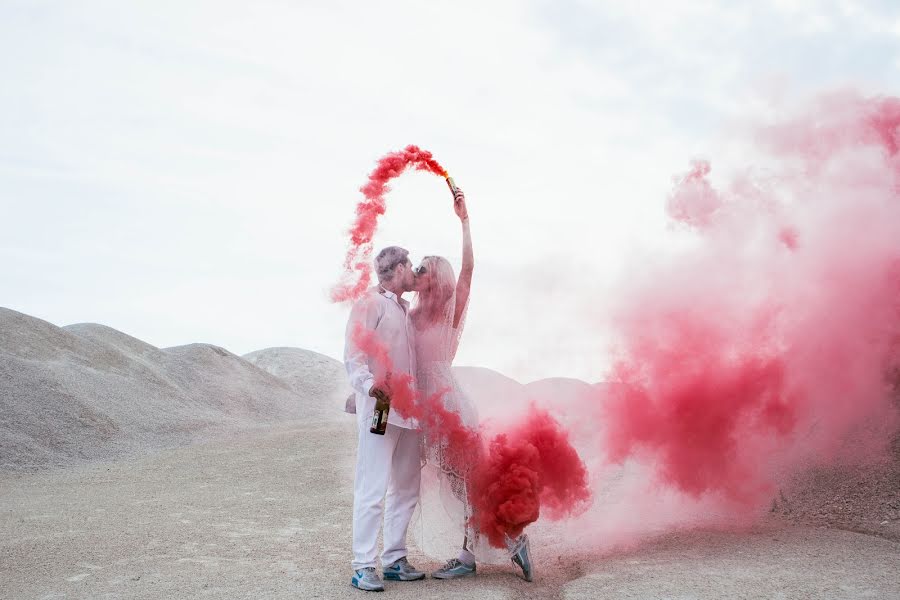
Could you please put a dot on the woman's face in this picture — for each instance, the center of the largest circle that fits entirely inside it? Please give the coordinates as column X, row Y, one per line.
column 423, row 277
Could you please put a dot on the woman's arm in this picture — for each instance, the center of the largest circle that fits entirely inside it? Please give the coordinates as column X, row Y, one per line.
column 464, row 283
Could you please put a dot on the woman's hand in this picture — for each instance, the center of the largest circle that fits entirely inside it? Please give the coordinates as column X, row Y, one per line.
column 459, row 205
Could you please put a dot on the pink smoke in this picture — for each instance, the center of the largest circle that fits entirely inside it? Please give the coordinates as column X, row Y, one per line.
column 761, row 348
column 358, row 263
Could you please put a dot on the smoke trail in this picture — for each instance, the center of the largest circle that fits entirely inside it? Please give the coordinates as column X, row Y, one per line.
column 528, row 467
column 358, row 263
column 762, row 347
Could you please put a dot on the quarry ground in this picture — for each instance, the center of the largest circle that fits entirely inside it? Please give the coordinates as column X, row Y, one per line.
column 266, row 514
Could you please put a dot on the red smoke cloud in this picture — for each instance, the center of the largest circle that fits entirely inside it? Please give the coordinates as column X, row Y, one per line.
column 761, row 347
column 528, row 468
column 358, row 263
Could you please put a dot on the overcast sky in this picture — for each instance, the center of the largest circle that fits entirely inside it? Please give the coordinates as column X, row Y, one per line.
column 186, row 171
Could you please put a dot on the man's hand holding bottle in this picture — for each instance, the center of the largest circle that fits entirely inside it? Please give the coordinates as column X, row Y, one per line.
column 382, row 406
column 379, row 393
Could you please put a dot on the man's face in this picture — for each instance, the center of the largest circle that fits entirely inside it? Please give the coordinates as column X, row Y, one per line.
column 405, row 277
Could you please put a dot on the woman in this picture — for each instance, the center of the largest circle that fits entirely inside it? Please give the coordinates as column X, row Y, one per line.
column 438, row 318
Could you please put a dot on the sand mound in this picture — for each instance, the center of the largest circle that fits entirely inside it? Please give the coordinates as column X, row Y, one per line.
column 859, row 495
column 497, row 396
column 87, row 392
column 310, row 374
column 107, row 336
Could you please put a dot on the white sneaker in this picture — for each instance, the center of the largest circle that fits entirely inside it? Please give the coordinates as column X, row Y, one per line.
column 367, row 579
column 401, row 570
column 453, row 569
column 522, row 557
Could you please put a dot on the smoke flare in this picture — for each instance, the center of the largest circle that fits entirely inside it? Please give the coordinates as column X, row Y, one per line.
column 358, row 263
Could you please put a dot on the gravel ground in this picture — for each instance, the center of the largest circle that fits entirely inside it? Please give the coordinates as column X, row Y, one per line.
column 266, row 514
column 767, row 563
column 129, row 471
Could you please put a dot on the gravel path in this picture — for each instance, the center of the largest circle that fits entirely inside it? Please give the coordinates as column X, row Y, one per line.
column 266, row 514
column 768, row 563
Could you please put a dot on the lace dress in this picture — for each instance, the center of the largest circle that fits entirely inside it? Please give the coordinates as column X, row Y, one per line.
column 443, row 512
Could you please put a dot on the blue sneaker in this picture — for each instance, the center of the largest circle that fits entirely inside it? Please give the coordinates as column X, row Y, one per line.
column 453, row 569
column 401, row 570
column 522, row 557
column 367, row 579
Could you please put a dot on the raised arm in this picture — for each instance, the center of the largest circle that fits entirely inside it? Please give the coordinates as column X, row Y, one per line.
column 464, row 283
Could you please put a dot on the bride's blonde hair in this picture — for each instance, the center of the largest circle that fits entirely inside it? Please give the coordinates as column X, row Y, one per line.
column 435, row 302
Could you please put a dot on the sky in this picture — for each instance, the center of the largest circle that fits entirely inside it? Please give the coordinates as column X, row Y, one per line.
column 187, row 171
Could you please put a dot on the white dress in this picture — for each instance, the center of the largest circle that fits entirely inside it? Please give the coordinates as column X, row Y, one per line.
column 444, row 511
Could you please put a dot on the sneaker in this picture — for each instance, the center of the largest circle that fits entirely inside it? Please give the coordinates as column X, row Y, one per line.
column 401, row 570
column 522, row 557
column 367, row 579
column 453, row 569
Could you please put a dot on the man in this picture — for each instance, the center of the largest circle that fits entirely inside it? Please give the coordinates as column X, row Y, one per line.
column 390, row 463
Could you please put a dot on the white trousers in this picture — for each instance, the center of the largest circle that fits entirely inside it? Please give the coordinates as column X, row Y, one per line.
column 388, row 464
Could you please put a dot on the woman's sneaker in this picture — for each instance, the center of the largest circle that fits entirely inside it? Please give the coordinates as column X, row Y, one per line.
column 522, row 557
column 367, row 579
column 401, row 570
column 453, row 569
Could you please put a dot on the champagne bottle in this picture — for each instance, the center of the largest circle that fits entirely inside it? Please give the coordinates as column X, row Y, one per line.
column 382, row 408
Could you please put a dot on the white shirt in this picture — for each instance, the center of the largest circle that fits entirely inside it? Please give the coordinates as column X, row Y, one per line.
column 382, row 312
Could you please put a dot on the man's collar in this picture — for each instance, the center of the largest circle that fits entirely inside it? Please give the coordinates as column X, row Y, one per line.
column 389, row 294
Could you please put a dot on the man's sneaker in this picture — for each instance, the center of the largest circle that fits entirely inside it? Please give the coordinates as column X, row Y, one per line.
column 453, row 569
column 367, row 579
column 401, row 570
column 522, row 557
